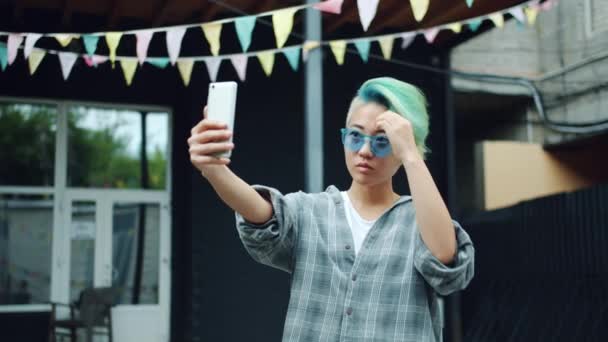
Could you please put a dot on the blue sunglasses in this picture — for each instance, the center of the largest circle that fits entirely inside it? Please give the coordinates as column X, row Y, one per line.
column 354, row 140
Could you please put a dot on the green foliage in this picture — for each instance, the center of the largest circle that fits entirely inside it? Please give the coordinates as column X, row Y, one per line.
column 96, row 157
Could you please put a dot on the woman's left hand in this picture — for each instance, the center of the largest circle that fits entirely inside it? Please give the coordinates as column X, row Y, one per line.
column 400, row 133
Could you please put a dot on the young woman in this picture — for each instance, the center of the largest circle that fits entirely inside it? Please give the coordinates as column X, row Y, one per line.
column 366, row 264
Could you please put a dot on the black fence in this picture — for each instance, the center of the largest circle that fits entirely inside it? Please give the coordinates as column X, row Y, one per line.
column 541, row 270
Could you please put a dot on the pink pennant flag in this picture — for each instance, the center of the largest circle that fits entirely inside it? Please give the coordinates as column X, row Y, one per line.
column 367, row 11
column 94, row 60
column 67, row 60
column 330, row 6
column 30, row 41
column 431, row 34
column 518, row 13
column 174, row 42
column 547, row 5
column 13, row 43
column 143, row 41
column 213, row 65
column 239, row 62
column 407, row 39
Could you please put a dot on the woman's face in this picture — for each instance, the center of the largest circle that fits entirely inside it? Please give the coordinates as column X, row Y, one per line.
column 364, row 167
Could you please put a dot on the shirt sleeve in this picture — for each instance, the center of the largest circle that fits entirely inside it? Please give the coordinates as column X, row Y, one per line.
column 446, row 279
column 272, row 242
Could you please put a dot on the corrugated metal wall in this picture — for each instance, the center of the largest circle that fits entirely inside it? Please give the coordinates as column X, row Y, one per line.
column 541, row 270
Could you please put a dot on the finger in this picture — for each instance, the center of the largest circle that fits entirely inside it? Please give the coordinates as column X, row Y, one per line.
column 205, row 114
column 210, row 136
column 206, row 124
column 210, row 148
column 209, row 160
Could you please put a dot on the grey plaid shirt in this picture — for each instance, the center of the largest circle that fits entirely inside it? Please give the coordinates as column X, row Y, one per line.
column 390, row 291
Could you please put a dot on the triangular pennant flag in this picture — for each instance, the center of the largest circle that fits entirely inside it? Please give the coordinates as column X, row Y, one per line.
column 456, row 27
column 282, row 22
column 407, row 39
column 13, row 43
column 330, row 6
column 531, row 14
column 184, row 65
column 128, row 66
column 30, row 41
column 143, row 42
column 266, row 59
column 67, row 60
column 244, row 27
column 518, row 13
column 338, row 48
column 548, row 4
column 34, row 60
column 64, row 39
column 367, row 12
column 474, row 24
column 174, row 42
column 386, row 45
column 419, row 7
column 213, row 65
column 431, row 34
column 94, row 60
column 497, row 19
column 112, row 39
column 363, row 46
column 239, row 62
column 469, row 3
column 3, row 56
column 293, row 57
column 212, row 32
column 307, row 47
column 159, row 62
column 90, row 43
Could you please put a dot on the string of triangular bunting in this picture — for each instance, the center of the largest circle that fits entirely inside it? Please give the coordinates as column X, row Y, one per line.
column 523, row 13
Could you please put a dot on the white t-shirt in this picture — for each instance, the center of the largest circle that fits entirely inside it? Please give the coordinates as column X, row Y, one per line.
column 358, row 225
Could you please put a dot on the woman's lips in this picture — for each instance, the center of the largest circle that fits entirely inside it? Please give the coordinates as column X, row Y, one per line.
column 363, row 167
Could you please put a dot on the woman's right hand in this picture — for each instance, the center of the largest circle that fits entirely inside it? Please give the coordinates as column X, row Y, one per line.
column 207, row 138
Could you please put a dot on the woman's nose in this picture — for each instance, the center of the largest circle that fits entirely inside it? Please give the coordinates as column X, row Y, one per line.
column 365, row 150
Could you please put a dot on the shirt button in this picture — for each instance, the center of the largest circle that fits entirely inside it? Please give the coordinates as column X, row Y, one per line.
column 347, row 247
column 349, row 311
column 354, row 277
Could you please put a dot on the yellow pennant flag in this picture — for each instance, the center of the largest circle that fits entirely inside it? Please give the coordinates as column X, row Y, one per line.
column 386, row 45
column 282, row 22
column 308, row 46
column 456, row 27
column 531, row 14
column 267, row 61
column 338, row 48
column 185, row 69
column 498, row 19
column 34, row 60
column 64, row 39
column 212, row 32
column 419, row 7
column 112, row 39
column 128, row 66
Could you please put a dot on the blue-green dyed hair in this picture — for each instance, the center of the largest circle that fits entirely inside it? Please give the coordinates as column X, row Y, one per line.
column 401, row 98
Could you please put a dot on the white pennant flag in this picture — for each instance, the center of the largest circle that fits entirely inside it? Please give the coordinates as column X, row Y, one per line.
column 13, row 43
column 174, row 42
column 30, row 41
column 67, row 60
column 213, row 65
column 407, row 39
column 518, row 13
column 367, row 11
column 143, row 42
column 239, row 62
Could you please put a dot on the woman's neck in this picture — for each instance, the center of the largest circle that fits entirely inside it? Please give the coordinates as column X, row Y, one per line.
column 373, row 195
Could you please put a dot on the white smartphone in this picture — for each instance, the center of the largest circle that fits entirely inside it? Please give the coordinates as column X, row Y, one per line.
column 221, row 106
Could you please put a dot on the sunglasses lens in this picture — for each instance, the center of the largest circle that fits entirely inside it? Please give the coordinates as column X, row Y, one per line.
column 381, row 147
column 353, row 140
